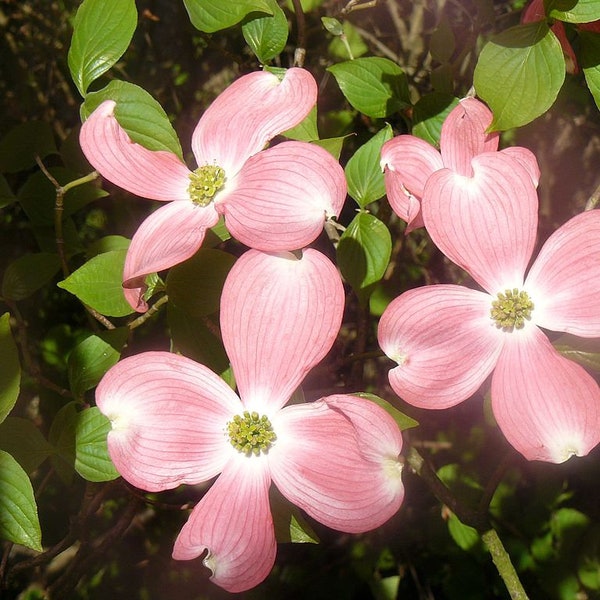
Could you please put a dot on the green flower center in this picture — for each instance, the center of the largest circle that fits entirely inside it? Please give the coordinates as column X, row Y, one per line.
column 205, row 182
column 510, row 309
column 251, row 433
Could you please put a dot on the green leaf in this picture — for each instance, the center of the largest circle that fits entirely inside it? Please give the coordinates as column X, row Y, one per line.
column 573, row 11
column 363, row 171
column 442, row 43
column 20, row 146
column 194, row 338
column 25, row 442
column 29, row 273
column 10, row 368
column 465, row 536
column 402, row 420
column 19, row 521
column 429, row 114
column 267, row 36
column 92, row 461
column 98, row 283
column 213, row 15
column 102, row 30
column 375, row 86
column 108, row 243
column 195, row 286
column 363, row 253
column 91, row 358
column 6, row 194
column 332, row 25
column 585, row 351
column 289, row 524
column 306, row 130
column 519, row 74
column 140, row 115
column 590, row 62
column 332, row 145
column 62, row 438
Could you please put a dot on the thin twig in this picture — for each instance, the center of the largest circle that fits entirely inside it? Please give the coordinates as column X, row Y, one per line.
column 300, row 52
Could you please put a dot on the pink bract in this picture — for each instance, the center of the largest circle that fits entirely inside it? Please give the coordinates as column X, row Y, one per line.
column 408, row 161
column 446, row 343
column 335, row 458
column 273, row 200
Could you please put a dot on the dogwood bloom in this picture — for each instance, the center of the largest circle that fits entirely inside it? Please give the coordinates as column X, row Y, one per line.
column 175, row 421
column 272, row 200
column 409, row 161
column 447, row 339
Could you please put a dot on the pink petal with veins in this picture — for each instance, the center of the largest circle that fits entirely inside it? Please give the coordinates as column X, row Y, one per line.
column 170, row 235
column 464, row 135
column 485, row 224
column 250, row 112
column 409, row 161
column 406, row 205
column 444, row 342
column 380, row 442
column 527, row 158
column 167, row 415
column 564, row 281
column 279, row 317
column 233, row 523
column 157, row 175
column 282, row 196
column 317, row 465
column 547, row 406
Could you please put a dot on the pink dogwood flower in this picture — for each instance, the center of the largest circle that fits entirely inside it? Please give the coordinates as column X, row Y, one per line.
column 176, row 422
column 274, row 199
column 409, row 161
column 447, row 339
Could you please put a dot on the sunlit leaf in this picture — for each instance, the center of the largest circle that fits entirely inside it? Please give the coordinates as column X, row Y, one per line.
column 589, row 60
column 10, row 368
column 363, row 171
column 375, row 86
column 429, row 114
column 213, row 15
column 19, row 522
column 102, row 30
column 306, row 130
column 267, row 35
column 91, row 358
column 519, row 74
column 573, row 11
column 138, row 113
column 92, row 461
column 98, row 283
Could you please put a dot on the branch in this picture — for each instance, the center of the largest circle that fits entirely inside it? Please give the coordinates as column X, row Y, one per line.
column 476, row 519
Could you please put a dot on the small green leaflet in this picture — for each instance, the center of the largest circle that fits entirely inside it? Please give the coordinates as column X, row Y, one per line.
column 267, row 35
column 10, row 368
